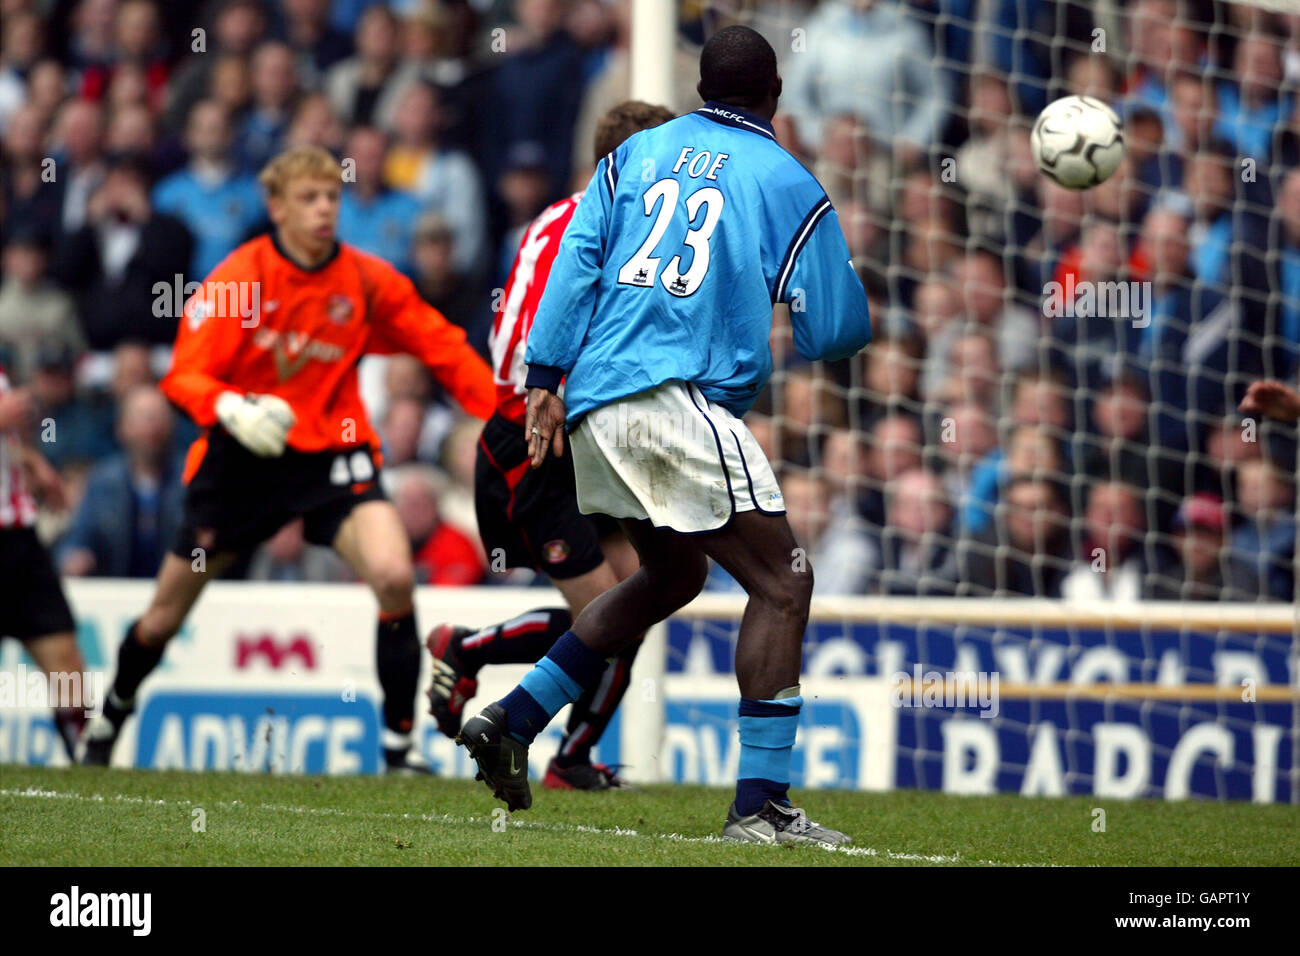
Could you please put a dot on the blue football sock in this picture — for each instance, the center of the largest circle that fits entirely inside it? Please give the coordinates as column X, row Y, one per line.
column 561, row 677
column 767, row 731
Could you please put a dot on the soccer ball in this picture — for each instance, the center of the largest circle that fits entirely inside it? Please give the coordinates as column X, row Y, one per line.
column 1077, row 142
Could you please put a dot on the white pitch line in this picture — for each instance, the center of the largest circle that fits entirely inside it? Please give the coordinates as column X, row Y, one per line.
column 447, row 818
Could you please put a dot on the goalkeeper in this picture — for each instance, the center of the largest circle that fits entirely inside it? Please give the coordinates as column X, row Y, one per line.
column 266, row 363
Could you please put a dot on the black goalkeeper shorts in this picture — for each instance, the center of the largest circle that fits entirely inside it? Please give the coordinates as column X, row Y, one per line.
column 33, row 604
column 531, row 515
column 236, row 500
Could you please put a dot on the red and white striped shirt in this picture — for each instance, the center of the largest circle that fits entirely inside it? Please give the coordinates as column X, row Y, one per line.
column 523, row 293
column 17, row 506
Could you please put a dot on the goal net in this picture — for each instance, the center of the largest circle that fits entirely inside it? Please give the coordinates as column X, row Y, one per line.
column 1041, row 455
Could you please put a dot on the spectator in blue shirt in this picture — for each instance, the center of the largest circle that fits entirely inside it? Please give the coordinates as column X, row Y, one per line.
column 132, row 504
column 218, row 203
column 1250, row 103
column 275, row 86
column 872, row 61
column 373, row 217
column 1264, row 543
column 536, row 93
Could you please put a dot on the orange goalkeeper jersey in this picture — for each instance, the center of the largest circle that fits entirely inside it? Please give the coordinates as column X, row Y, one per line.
column 263, row 324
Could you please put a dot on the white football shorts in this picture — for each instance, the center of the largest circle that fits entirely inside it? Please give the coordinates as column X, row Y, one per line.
column 670, row 455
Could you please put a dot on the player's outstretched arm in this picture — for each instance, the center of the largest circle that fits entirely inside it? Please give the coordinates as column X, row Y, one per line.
column 403, row 322
column 1273, row 399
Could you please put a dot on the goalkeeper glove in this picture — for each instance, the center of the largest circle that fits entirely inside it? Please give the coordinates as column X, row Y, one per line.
column 260, row 423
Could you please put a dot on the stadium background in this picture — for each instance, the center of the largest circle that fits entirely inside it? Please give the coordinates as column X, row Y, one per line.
column 980, row 448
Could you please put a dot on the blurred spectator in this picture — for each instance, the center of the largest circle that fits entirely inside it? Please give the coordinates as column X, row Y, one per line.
column 1162, row 44
column 984, row 159
column 69, row 428
column 34, row 312
column 1109, row 565
column 316, row 44
column 891, row 376
column 29, row 195
column 24, row 38
column 373, row 217
column 849, row 165
column 1194, row 115
column 1030, row 451
column 936, row 308
column 286, row 556
column 403, row 377
column 137, row 45
column 93, row 35
column 842, row 556
column 237, row 27
column 231, row 86
column 867, row 59
column 78, row 144
column 363, row 87
column 47, row 87
column 808, row 409
column 968, row 441
column 535, row 92
column 1204, row 570
column 916, row 540
column 314, row 124
column 1117, row 447
column 1042, row 398
column 400, row 428
column 218, row 203
column 1021, row 555
column 1265, row 541
column 132, row 133
column 443, row 555
column 131, row 509
column 973, row 372
column 444, row 181
column 1250, row 102
column 524, row 188
column 444, row 286
column 1022, row 39
column 895, row 445
column 1168, row 322
column 1096, row 310
column 113, row 262
column 1090, row 74
column 980, row 280
column 260, row 133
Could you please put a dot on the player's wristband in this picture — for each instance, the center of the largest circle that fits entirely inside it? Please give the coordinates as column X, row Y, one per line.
column 544, row 376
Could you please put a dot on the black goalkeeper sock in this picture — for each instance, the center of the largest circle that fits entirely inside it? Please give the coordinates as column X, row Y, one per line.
column 397, row 658
column 135, row 661
column 521, row 640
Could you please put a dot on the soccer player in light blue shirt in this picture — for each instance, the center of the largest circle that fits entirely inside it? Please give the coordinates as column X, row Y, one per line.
column 660, row 303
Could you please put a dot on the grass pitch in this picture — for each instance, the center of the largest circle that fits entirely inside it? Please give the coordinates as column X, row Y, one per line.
column 151, row 818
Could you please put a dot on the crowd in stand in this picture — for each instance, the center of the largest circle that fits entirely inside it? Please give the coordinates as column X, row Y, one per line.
column 1009, row 431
